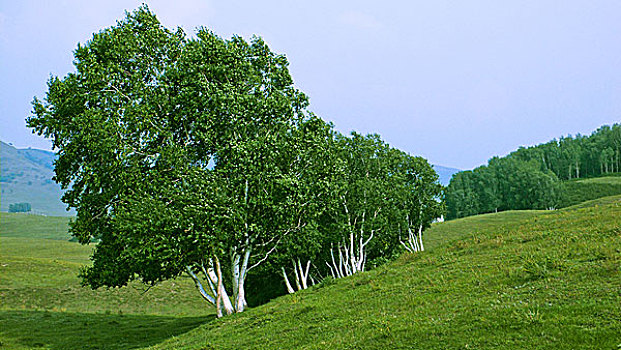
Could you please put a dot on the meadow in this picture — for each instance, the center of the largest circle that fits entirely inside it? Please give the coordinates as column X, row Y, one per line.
column 44, row 306
column 579, row 190
column 510, row 280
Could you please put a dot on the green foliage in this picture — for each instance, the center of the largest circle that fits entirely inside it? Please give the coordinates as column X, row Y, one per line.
column 379, row 190
column 180, row 151
column 529, row 177
column 154, row 110
column 578, row 157
column 505, row 184
column 372, row 189
column 20, row 208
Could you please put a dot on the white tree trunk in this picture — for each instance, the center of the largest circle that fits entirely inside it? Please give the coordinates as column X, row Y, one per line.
column 212, row 276
column 301, row 276
column 351, row 256
column 414, row 241
column 239, row 270
column 216, row 295
column 420, row 238
column 290, row 289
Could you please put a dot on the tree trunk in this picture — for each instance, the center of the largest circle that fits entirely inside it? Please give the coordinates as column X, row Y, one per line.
column 219, row 288
column 420, row 238
column 216, row 295
column 577, row 170
column 290, row 289
column 212, row 276
column 301, row 276
column 239, row 270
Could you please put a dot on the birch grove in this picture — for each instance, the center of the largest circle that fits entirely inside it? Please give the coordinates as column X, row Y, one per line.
column 196, row 155
column 382, row 200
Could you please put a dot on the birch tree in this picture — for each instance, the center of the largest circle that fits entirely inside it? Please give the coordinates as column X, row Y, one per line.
column 380, row 193
column 423, row 201
column 184, row 156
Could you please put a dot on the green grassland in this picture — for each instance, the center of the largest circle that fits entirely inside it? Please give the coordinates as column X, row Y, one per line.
column 44, row 306
column 511, row 280
column 34, row 226
column 580, row 190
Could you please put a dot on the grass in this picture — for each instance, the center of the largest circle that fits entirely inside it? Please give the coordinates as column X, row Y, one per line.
column 34, row 226
column 69, row 330
column 44, row 306
column 580, row 190
column 511, row 280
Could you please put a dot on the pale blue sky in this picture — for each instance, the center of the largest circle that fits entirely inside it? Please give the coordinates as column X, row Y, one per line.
column 454, row 81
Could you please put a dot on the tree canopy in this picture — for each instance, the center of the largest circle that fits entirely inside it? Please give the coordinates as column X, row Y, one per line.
column 529, row 178
column 198, row 156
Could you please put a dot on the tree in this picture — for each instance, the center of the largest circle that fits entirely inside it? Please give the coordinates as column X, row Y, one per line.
column 504, row 184
column 421, row 200
column 183, row 155
column 379, row 199
column 19, row 208
column 197, row 156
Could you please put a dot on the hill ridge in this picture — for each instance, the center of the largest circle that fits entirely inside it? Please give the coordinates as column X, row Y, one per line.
column 26, row 176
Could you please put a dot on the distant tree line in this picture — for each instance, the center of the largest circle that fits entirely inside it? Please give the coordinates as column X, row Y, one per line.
column 529, row 178
column 19, row 208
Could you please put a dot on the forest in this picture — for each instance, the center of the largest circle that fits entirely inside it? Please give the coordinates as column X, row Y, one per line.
column 532, row 177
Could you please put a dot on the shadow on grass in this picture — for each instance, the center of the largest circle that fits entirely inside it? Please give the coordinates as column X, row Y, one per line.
column 66, row 330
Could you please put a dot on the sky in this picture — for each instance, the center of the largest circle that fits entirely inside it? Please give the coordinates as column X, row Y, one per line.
column 456, row 82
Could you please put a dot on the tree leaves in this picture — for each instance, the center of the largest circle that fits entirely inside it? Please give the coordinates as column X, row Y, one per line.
column 176, row 150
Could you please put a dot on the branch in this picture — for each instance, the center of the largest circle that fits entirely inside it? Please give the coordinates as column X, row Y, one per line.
column 266, row 254
column 117, row 91
column 199, row 286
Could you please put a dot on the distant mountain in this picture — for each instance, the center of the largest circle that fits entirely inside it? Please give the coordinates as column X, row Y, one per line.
column 26, row 176
column 445, row 173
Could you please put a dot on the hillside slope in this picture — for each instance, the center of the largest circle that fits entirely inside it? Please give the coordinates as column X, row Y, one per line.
column 43, row 305
column 26, row 176
column 580, row 190
column 512, row 280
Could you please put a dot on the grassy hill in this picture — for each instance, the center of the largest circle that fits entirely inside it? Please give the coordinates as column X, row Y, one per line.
column 26, row 176
column 580, row 190
column 44, row 306
column 511, row 280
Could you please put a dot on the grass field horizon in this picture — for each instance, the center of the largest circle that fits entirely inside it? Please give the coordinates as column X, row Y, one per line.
column 489, row 281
